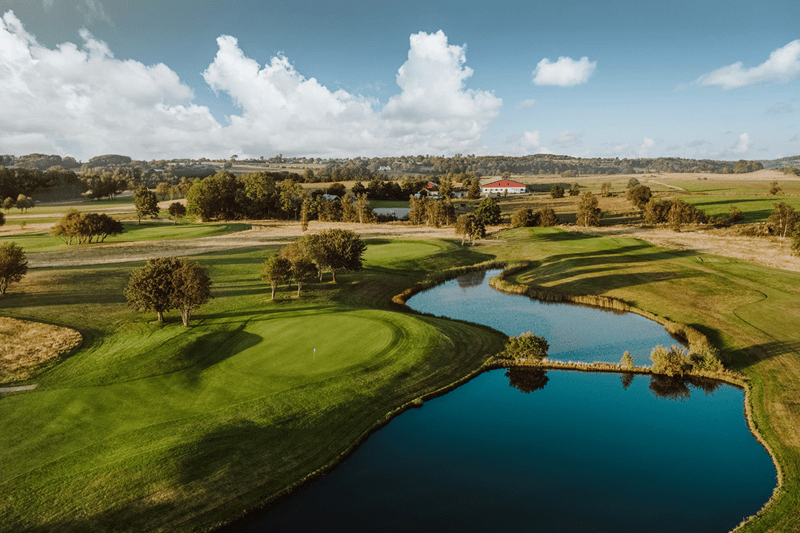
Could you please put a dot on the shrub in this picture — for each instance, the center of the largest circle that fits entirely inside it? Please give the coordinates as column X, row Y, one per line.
column 526, row 346
column 556, row 191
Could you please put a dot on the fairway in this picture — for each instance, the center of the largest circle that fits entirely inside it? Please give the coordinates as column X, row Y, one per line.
column 155, row 425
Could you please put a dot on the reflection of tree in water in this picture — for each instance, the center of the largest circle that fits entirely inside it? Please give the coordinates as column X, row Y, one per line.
column 706, row 385
column 675, row 388
column 669, row 387
column 627, row 378
column 472, row 279
column 527, row 379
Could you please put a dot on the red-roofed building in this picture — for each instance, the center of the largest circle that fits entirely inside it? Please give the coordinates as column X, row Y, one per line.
column 502, row 186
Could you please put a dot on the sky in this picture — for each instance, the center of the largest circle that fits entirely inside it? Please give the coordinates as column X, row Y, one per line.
column 161, row 79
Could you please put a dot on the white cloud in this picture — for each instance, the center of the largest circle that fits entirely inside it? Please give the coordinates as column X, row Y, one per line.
column 782, row 66
column 82, row 101
column 644, row 148
column 86, row 98
column 530, row 143
column 742, row 145
column 530, row 102
column 565, row 72
column 567, row 139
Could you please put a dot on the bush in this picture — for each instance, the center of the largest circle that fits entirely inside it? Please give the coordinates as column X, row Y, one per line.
column 671, row 362
column 557, row 191
column 524, row 217
column 526, row 346
column 548, row 217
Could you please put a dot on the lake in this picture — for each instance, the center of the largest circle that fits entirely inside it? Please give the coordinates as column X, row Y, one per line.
column 528, row 450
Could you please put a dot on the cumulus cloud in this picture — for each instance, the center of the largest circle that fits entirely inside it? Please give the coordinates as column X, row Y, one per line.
column 782, row 66
column 565, row 72
column 82, row 101
column 530, row 143
column 84, row 97
column 644, row 148
column 742, row 145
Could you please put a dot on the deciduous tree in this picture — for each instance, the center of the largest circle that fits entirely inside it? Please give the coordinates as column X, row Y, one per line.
column 526, row 346
column 588, row 211
column 176, row 210
column 151, row 287
column 488, row 212
column 276, row 270
column 146, row 203
column 13, row 265
column 191, row 288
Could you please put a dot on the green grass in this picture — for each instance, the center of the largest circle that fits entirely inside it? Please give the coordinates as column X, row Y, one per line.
column 147, row 231
column 154, row 427
column 81, row 205
column 723, row 186
column 754, row 208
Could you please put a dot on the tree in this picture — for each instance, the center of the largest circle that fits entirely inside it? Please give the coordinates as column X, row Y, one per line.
column 639, row 195
column 2, row 219
column 191, row 288
column 474, row 189
column 276, row 270
column 626, row 361
column 774, row 188
column 488, row 212
column 8, row 203
column 303, row 270
column 162, row 189
column 575, row 190
column 176, row 210
column 633, row 182
column 151, row 287
column 605, row 190
column 146, row 203
column 23, row 203
column 525, row 346
column 214, row 197
column 524, row 217
column 672, row 362
column 782, row 220
column 13, row 265
column 556, row 191
column 84, row 227
column 342, row 250
column 547, row 217
column 588, row 211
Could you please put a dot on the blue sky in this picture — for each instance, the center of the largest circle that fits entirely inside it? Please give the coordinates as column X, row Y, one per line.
column 160, row 79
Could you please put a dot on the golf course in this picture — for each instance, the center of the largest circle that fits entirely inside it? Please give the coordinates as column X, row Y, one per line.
column 153, row 426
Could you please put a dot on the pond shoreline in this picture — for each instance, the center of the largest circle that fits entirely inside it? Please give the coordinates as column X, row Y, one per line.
column 693, row 337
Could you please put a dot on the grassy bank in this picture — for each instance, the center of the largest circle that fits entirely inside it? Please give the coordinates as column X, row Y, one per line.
column 152, row 427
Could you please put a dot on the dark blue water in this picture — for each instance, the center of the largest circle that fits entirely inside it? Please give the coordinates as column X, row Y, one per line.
column 577, row 452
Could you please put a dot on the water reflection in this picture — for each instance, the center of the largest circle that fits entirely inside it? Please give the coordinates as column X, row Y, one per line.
column 472, row 279
column 627, row 378
column 676, row 388
column 527, row 379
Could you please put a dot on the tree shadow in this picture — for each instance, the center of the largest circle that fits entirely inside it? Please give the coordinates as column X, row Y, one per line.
column 768, row 350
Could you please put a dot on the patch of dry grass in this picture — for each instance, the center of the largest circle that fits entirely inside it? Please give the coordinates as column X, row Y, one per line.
column 26, row 346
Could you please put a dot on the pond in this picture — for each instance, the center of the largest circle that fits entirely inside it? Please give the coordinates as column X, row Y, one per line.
column 554, row 451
